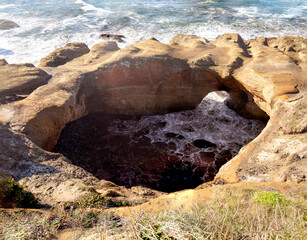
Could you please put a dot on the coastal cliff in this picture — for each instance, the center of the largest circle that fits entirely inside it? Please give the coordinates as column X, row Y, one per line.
column 266, row 79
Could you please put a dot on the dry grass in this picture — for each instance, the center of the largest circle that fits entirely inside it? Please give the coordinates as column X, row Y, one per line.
column 238, row 214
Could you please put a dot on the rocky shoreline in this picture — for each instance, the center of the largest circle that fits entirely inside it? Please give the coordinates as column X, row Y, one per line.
column 265, row 79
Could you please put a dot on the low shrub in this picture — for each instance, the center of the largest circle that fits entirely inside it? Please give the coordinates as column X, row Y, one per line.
column 13, row 195
column 89, row 220
column 96, row 201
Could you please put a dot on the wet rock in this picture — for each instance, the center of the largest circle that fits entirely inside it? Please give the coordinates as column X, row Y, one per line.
column 7, row 24
column 172, row 145
column 222, row 158
column 180, row 175
column 173, row 135
column 207, row 157
column 202, row 143
column 115, row 37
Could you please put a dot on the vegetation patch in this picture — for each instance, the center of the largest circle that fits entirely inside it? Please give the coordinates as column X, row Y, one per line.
column 96, row 201
column 237, row 213
column 270, row 198
column 13, row 195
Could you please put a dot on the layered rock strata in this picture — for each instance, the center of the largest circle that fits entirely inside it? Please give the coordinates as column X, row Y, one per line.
column 264, row 77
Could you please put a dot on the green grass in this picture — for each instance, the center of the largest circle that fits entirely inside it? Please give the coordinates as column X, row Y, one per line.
column 270, row 198
column 235, row 214
column 95, row 200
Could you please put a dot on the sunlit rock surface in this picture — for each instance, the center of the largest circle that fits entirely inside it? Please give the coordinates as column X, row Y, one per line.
column 263, row 77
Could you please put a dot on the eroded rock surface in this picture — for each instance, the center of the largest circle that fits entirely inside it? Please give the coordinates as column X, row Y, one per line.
column 64, row 55
column 279, row 153
column 19, row 79
column 262, row 76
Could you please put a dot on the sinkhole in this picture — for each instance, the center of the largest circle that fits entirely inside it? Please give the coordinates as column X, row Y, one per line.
column 169, row 152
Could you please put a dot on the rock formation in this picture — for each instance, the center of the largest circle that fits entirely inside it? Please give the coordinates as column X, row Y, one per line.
column 7, row 24
column 264, row 77
column 64, row 55
column 19, row 79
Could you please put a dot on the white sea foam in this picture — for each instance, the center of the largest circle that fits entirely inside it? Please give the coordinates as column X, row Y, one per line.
column 40, row 32
column 89, row 7
column 211, row 121
column 247, row 11
column 7, row 6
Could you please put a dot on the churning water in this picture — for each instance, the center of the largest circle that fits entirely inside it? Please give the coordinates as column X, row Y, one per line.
column 49, row 24
column 167, row 152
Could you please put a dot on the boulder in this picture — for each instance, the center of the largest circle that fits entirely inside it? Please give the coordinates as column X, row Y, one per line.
column 65, row 54
column 43, row 114
column 114, row 37
column 3, row 62
column 20, row 79
column 7, row 24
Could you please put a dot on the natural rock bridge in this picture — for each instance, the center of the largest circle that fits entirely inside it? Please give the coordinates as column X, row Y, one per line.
column 264, row 77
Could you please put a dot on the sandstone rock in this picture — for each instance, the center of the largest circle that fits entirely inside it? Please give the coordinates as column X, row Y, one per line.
column 20, row 79
column 279, row 153
column 269, row 75
column 7, row 24
column 64, row 55
column 48, row 175
column 294, row 120
column 60, row 101
column 150, row 77
column 288, row 44
column 3, row 62
column 99, row 51
column 188, row 40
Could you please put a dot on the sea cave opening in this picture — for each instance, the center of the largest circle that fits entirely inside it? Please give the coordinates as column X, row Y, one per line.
column 168, row 152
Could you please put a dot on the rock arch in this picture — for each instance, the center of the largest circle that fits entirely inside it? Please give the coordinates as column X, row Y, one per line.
column 147, row 78
column 262, row 76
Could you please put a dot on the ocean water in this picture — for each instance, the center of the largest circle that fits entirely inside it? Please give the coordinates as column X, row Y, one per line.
column 166, row 152
column 211, row 120
column 48, row 24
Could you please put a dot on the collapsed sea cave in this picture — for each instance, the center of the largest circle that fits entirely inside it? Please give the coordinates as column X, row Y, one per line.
column 169, row 152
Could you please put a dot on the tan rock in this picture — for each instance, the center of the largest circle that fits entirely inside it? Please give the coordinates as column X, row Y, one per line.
column 269, row 74
column 279, row 153
column 43, row 115
column 98, row 53
column 20, row 79
column 64, row 55
column 150, row 77
column 3, row 62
